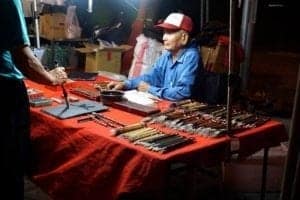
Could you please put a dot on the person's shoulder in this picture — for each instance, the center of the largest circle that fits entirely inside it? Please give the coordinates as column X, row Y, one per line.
column 164, row 55
column 193, row 45
column 190, row 53
column 8, row 7
column 192, row 49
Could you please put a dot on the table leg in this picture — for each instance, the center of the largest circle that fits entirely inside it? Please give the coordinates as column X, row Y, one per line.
column 264, row 174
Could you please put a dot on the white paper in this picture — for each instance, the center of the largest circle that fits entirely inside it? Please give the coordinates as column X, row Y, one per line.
column 142, row 98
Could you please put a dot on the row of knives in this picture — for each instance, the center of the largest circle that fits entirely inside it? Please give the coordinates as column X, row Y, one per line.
column 205, row 120
column 152, row 138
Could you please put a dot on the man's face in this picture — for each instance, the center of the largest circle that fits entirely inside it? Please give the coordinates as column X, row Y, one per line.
column 174, row 40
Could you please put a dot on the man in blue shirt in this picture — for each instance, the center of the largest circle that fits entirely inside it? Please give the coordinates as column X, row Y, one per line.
column 17, row 58
column 173, row 75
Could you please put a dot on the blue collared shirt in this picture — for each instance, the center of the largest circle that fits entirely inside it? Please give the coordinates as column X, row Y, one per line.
column 171, row 80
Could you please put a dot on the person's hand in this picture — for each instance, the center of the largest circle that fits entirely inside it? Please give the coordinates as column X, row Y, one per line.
column 143, row 86
column 116, row 85
column 59, row 75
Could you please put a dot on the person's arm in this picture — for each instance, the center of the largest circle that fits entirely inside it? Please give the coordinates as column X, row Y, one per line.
column 15, row 39
column 153, row 77
column 32, row 68
column 182, row 88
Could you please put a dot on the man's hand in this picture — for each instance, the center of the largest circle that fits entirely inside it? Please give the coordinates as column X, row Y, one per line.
column 59, row 75
column 116, row 85
column 143, row 86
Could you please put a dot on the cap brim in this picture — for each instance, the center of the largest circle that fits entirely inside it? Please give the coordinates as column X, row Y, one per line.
column 167, row 26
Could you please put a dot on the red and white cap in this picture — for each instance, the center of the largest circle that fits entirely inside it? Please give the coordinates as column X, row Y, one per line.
column 177, row 21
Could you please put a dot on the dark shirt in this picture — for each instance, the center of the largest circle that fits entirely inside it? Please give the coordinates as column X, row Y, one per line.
column 15, row 34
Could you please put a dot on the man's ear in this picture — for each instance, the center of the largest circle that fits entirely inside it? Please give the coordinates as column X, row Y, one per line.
column 184, row 38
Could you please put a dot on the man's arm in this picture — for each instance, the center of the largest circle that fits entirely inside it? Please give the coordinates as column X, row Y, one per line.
column 182, row 88
column 32, row 68
column 153, row 77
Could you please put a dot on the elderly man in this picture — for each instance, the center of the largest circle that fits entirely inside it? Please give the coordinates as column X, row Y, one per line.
column 173, row 75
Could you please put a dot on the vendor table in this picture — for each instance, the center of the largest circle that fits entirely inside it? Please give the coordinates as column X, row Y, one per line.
column 84, row 161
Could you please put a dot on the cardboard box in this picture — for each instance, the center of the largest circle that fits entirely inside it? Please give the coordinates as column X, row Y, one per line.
column 103, row 59
column 213, row 58
column 216, row 58
column 52, row 26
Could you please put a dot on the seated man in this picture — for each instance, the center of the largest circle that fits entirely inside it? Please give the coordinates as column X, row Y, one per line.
column 173, row 75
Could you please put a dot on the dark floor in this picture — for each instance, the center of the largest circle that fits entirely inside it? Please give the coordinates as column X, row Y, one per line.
column 33, row 192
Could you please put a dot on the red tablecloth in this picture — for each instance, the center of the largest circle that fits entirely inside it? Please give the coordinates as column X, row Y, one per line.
column 83, row 161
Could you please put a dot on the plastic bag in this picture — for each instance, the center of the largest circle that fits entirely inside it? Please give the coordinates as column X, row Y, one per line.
column 73, row 29
column 146, row 52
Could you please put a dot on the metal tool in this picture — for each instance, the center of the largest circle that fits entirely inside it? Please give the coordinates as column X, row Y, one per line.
column 113, row 123
column 127, row 128
column 65, row 96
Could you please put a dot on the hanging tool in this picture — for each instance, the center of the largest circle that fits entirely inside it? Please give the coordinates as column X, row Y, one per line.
column 65, row 96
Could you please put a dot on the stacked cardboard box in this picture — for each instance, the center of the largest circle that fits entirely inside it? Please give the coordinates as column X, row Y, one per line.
column 52, row 26
column 104, row 58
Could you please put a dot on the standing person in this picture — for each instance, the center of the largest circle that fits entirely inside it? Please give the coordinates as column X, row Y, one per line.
column 173, row 75
column 16, row 59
